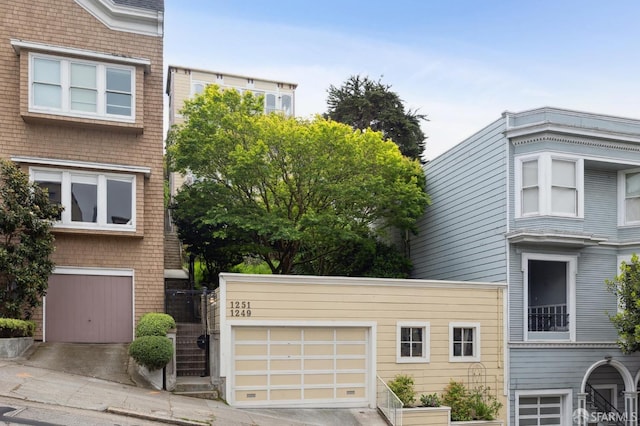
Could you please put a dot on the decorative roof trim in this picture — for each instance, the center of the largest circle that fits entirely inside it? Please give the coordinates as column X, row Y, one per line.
column 120, row 17
column 18, row 45
column 576, row 140
column 541, row 237
column 82, row 165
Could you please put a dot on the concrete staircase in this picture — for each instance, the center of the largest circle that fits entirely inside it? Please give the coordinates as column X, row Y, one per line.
column 190, row 359
column 172, row 251
column 195, row 387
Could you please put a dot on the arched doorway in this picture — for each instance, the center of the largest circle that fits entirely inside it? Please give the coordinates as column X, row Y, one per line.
column 608, row 395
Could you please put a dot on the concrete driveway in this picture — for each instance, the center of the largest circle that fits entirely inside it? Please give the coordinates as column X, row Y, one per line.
column 101, row 361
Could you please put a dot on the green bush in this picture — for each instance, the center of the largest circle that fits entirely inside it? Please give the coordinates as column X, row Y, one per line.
column 10, row 327
column 153, row 352
column 402, row 386
column 155, row 324
column 466, row 405
column 431, row 400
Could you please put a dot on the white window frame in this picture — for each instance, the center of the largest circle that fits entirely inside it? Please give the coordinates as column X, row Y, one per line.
column 476, row 342
column 545, row 207
column 426, row 342
column 622, row 196
column 566, row 402
column 65, row 83
column 572, row 262
column 66, row 178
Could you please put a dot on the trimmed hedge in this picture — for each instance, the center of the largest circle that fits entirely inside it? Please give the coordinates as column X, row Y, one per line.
column 155, row 324
column 153, row 352
column 10, row 327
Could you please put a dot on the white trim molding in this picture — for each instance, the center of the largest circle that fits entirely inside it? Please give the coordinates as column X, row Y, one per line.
column 82, row 165
column 78, row 270
column 19, row 45
column 125, row 18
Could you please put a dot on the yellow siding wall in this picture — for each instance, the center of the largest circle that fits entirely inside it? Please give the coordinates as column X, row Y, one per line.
column 387, row 303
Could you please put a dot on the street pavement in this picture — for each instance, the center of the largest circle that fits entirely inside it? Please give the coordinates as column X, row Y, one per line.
column 29, row 381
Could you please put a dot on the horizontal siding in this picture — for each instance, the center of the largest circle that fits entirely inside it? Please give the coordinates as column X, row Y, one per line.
column 386, row 306
column 461, row 235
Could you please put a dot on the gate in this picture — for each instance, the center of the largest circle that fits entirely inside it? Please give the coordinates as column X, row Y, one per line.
column 189, row 309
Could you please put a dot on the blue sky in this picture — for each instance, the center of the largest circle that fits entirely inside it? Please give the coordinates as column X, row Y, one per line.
column 460, row 62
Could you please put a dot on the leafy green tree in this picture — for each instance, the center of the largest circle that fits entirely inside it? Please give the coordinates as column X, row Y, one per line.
column 26, row 242
column 292, row 186
column 626, row 287
column 363, row 103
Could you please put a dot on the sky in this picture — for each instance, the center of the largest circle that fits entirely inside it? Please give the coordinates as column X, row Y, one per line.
column 460, row 62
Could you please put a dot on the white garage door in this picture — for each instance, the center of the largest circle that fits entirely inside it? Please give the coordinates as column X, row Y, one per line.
column 292, row 366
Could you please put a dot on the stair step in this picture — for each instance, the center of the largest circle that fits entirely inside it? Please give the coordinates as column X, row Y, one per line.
column 199, row 394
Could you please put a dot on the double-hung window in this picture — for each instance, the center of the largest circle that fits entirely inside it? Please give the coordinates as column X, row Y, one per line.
column 81, row 88
column 90, row 200
column 549, row 185
column 464, row 342
column 412, row 342
column 629, row 197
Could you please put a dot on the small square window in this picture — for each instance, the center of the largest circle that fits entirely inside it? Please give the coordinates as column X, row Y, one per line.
column 413, row 342
column 464, row 342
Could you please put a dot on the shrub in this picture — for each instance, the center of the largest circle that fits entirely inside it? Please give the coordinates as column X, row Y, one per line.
column 10, row 327
column 475, row 404
column 153, row 352
column 402, row 386
column 430, row 400
column 154, row 324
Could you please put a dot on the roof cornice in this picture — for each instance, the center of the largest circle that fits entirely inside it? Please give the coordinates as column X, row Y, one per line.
column 120, row 17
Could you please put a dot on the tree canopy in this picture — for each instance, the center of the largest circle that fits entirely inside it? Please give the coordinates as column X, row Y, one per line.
column 289, row 191
column 626, row 287
column 26, row 243
column 363, row 103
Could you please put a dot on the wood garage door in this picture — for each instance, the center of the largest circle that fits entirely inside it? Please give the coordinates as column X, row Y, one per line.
column 89, row 309
column 315, row 366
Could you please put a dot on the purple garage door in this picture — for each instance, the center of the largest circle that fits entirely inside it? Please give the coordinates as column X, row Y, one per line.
column 89, row 309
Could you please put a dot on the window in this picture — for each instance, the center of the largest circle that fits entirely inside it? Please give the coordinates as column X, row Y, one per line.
column 538, row 408
column 412, row 342
column 198, row 87
column 91, row 200
column 549, row 185
column 549, row 296
column 81, row 88
column 464, row 342
column 629, row 198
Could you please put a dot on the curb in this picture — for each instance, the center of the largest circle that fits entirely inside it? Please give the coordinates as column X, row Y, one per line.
column 160, row 419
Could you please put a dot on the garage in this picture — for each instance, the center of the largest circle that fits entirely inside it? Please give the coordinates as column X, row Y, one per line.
column 89, row 307
column 290, row 366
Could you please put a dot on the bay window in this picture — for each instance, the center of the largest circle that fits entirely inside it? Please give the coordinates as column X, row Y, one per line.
column 549, row 185
column 629, row 197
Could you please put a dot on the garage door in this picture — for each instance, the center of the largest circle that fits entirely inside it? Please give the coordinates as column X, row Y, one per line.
column 89, row 309
column 316, row 366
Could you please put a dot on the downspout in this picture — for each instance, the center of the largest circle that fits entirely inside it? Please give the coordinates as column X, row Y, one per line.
column 507, row 305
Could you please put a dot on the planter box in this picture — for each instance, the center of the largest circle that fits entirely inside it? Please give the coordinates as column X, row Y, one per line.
column 479, row 423
column 432, row 416
column 13, row 347
column 153, row 378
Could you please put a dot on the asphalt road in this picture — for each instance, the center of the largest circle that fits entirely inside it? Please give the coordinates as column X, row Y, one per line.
column 14, row 412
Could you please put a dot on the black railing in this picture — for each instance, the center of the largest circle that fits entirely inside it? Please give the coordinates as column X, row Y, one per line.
column 601, row 404
column 183, row 305
column 548, row 318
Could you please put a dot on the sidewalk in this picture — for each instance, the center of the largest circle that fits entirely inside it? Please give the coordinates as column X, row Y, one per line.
column 53, row 387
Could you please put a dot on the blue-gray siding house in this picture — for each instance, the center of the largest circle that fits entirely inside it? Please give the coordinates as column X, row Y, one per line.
column 547, row 200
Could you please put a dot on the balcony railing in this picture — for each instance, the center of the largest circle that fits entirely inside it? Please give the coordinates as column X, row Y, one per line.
column 388, row 403
column 548, row 318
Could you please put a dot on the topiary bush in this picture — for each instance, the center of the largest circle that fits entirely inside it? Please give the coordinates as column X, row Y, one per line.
column 402, row 386
column 153, row 352
column 155, row 324
column 10, row 327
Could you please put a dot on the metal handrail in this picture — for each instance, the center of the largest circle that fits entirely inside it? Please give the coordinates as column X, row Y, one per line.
column 602, row 404
column 388, row 403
